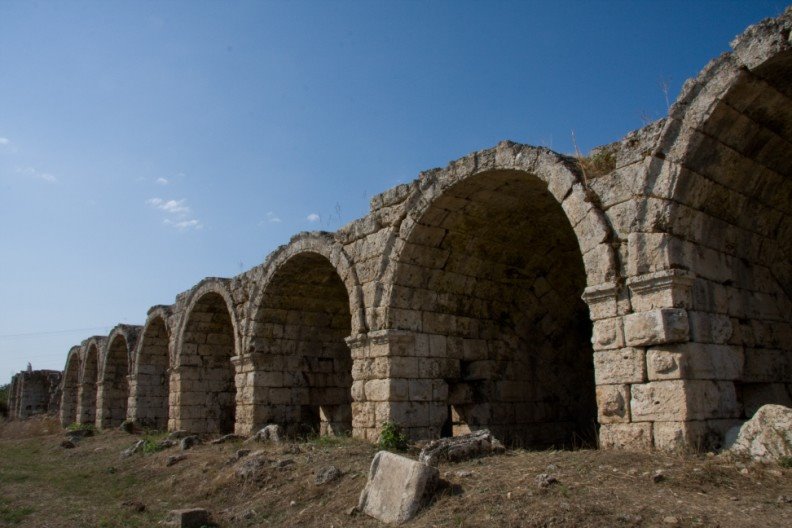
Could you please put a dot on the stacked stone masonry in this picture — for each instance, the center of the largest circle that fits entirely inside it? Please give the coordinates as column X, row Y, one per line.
column 33, row 392
column 644, row 305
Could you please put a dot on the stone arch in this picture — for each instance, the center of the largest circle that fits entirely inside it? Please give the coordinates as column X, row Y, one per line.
column 722, row 175
column 113, row 394
column 71, row 387
column 487, row 275
column 202, row 383
column 298, row 365
column 149, row 392
column 89, row 377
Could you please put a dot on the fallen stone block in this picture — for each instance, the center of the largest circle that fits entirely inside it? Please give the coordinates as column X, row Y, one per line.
column 270, row 432
column 479, row 443
column 189, row 442
column 397, row 487
column 174, row 459
column 225, row 438
column 766, row 437
column 327, row 474
column 135, row 448
column 189, row 518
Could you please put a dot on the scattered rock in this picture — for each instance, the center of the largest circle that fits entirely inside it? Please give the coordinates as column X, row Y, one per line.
column 766, row 437
column 167, row 443
column 226, row 438
column 190, row 518
column 397, row 487
column 327, row 474
column 293, row 503
column 280, row 464
column 352, row 511
column 135, row 448
column 670, row 520
column 189, row 442
column 68, row 444
column 270, row 432
column 658, row 476
column 242, row 453
column 174, row 459
column 776, row 472
column 464, row 473
column 630, row 518
column 543, row 480
column 251, row 468
column 135, row 506
column 291, row 449
column 459, row 448
column 784, row 499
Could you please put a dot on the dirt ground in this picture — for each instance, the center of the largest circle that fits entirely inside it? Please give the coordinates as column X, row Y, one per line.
column 44, row 485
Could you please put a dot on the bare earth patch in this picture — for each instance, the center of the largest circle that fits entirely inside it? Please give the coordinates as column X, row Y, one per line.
column 44, row 485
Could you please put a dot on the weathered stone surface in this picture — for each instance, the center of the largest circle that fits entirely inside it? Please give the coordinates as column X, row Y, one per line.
column 268, row 433
column 188, row 442
column 656, row 327
column 396, row 488
column 479, row 443
column 135, row 448
column 326, row 475
column 767, row 436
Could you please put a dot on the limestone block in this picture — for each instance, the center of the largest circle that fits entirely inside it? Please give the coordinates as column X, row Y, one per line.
column 613, row 403
column 678, row 400
column 672, row 436
column 661, row 289
column 695, row 361
column 397, row 487
column 767, row 365
column 626, row 365
column 628, row 436
column 767, row 436
column 608, row 334
column 709, row 327
column 655, row 327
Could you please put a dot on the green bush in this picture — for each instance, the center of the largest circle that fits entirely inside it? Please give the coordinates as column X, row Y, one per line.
column 81, row 427
column 785, row 462
column 392, row 438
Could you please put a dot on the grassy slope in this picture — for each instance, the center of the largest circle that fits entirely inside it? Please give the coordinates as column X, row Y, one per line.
column 44, row 485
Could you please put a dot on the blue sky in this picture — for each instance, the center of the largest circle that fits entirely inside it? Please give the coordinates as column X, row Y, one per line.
column 146, row 145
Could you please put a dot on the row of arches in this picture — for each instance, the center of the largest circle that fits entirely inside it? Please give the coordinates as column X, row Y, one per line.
column 458, row 302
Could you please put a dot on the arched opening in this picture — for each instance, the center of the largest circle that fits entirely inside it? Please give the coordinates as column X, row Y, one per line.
column 152, row 376
column 493, row 273
column 71, row 388
column 206, row 390
column 87, row 405
column 734, row 218
column 303, row 365
column 115, row 386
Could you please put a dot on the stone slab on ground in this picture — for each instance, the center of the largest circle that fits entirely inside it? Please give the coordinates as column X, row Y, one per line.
column 397, row 487
column 463, row 447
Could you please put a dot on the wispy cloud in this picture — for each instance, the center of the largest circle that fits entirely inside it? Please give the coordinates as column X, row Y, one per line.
column 31, row 172
column 178, row 212
column 272, row 218
column 183, row 225
column 313, row 217
column 161, row 181
column 177, row 207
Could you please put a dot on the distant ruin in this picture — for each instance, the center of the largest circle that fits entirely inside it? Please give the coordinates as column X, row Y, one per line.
column 641, row 296
column 33, row 392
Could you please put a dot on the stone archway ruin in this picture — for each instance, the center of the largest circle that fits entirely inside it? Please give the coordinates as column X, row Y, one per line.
column 71, row 387
column 203, row 376
column 455, row 303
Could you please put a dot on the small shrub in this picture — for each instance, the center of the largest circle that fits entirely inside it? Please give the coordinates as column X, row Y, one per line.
column 81, row 427
column 785, row 462
column 392, row 438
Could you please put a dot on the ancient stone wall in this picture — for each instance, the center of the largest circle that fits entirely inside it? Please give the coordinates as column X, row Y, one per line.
column 34, row 392
column 640, row 297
